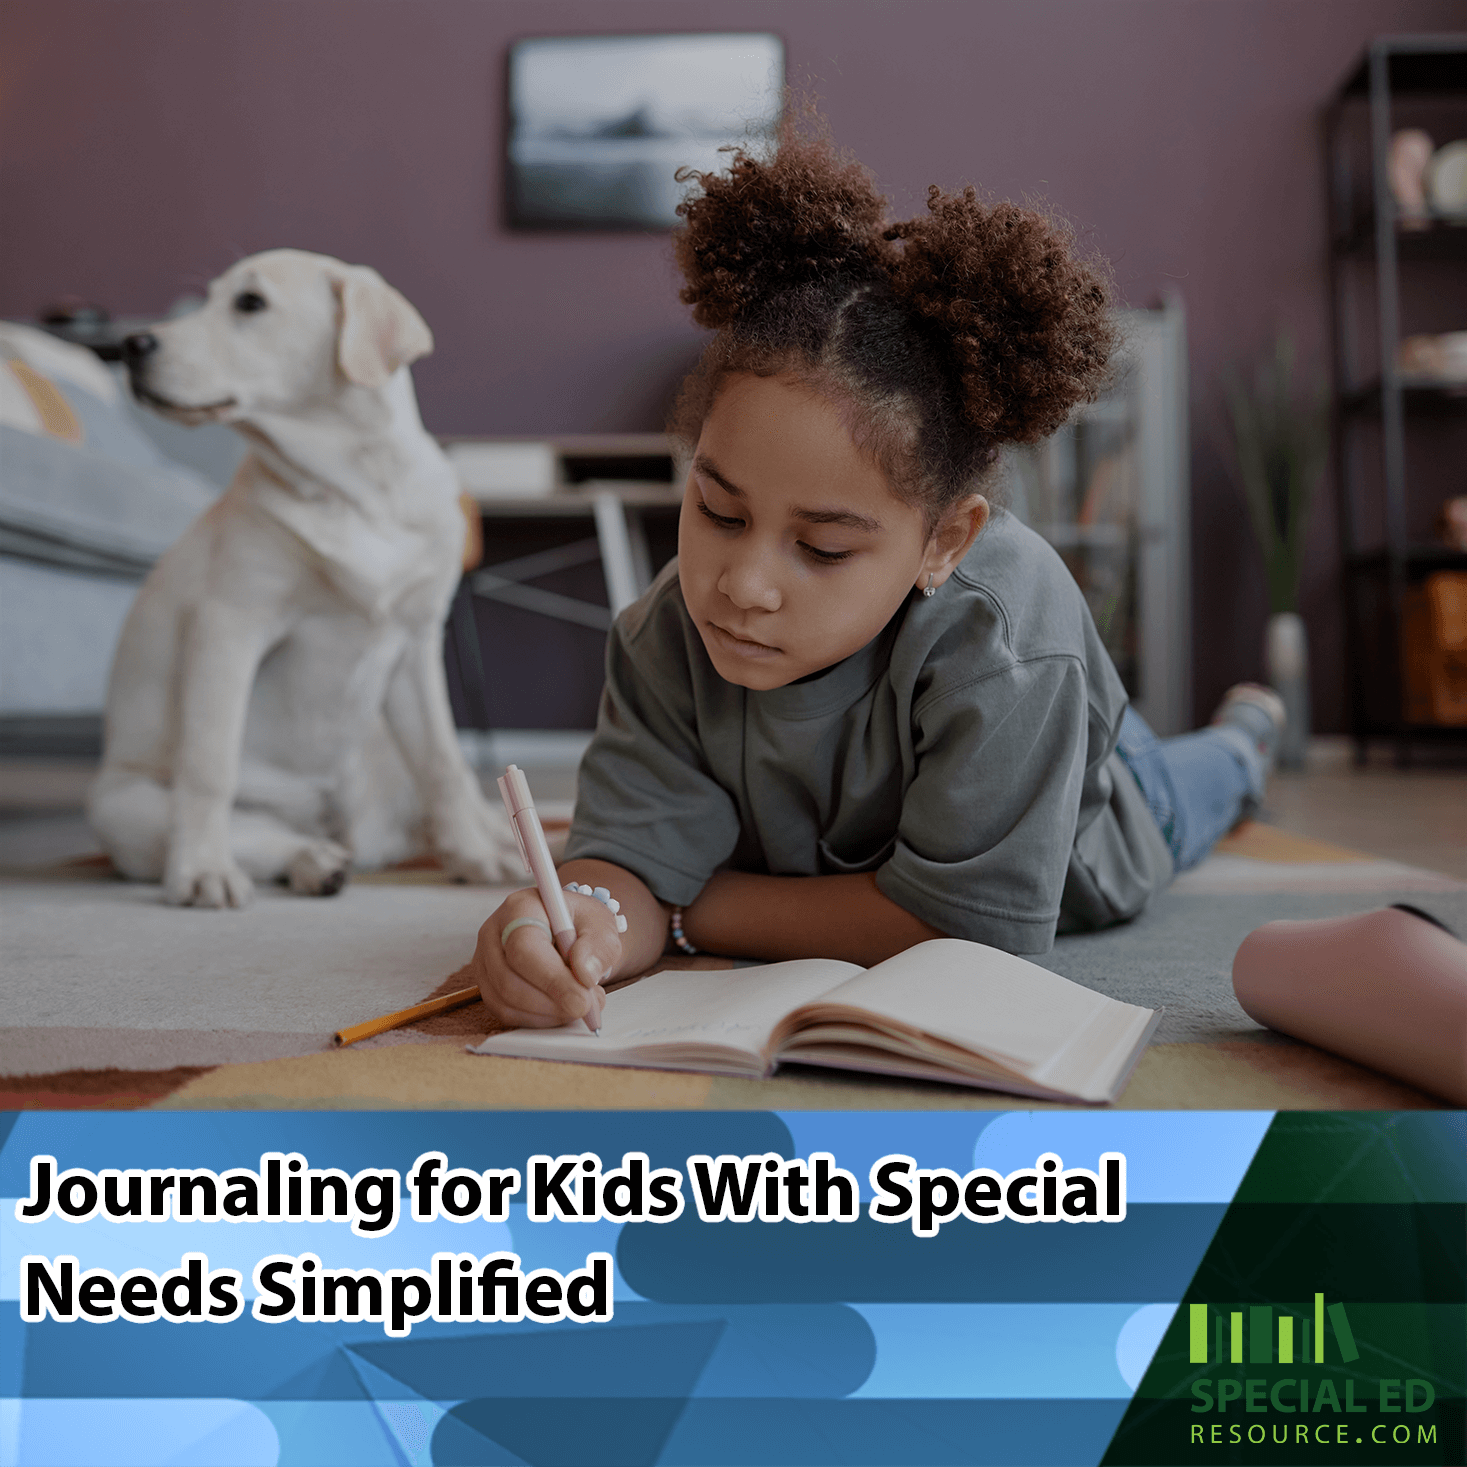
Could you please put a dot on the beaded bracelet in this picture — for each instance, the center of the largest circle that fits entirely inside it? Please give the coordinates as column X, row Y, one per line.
column 677, row 933
column 605, row 898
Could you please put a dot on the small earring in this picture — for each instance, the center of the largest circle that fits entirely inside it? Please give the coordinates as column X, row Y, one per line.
column 927, row 590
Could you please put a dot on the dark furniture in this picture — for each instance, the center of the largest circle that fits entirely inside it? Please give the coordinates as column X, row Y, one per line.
column 1387, row 280
column 525, row 643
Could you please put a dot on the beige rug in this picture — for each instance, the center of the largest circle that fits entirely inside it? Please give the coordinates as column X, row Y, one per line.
column 441, row 1075
column 114, row 999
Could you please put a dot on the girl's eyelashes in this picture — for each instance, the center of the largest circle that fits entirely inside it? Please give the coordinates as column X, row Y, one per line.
column 727, row 522
column 826, row 557
column 722, row 521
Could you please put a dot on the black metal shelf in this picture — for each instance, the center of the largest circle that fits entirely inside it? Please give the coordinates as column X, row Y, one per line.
column 1376, row 579
column 1421, row 559
column 1420, row 733
column 1443, row 237
column 1420, row 399
column 1417, row 66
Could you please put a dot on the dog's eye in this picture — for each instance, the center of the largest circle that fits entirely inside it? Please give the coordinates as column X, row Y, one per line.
column 248, row 301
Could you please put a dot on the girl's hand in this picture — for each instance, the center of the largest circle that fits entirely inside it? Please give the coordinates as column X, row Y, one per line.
column 526, row 984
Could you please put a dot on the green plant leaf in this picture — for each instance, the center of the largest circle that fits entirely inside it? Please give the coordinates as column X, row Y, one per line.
column 1280, row 441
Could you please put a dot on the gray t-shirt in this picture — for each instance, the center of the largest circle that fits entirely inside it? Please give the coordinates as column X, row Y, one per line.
column 966, row 755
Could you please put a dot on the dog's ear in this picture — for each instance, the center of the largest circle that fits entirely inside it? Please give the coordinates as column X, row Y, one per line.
column 380, row 329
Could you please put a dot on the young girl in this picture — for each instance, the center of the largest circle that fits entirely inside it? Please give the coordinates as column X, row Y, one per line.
column 863, row 707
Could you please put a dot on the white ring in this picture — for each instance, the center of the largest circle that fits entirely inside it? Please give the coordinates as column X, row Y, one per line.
column 523, row 922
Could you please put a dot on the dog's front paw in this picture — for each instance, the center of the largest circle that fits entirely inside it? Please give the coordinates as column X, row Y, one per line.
column 480, row 848
column 321, row 869
column 481, row 866
column 216, row 883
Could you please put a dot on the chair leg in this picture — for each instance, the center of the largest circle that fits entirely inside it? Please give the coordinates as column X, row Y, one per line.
column 468, row 658
column 617, row 560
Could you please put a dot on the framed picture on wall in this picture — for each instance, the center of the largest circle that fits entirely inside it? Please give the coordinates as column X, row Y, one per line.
column 600, row 125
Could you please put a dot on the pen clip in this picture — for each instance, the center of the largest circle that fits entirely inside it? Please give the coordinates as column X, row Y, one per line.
column 514, row 824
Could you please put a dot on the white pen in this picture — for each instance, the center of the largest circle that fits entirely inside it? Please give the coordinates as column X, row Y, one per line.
column 514, row 790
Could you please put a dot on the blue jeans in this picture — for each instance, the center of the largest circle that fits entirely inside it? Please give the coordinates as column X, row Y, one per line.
column 1198, row 785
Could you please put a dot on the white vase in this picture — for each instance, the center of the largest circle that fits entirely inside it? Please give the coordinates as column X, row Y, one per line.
column 1286, row 656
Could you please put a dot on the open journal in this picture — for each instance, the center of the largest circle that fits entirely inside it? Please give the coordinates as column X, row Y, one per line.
column 943, row 1010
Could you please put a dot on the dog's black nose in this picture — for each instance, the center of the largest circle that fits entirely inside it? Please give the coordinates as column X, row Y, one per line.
column 138, row 346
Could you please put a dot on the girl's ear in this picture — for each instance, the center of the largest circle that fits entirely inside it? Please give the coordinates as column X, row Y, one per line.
column 952, row 539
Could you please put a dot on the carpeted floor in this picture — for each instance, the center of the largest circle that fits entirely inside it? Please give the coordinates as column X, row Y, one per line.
column 116, row 1000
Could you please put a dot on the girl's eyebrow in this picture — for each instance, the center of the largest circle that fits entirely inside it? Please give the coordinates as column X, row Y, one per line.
column 846, row 517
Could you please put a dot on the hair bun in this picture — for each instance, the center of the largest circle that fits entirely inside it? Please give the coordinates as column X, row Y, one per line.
column 1028, row 323
column 768, row 226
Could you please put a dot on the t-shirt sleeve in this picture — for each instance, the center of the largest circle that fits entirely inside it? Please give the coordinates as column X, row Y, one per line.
column 644, row 797
column 988, row 822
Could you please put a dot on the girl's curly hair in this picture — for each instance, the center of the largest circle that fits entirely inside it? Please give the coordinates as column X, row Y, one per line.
column 940, row 337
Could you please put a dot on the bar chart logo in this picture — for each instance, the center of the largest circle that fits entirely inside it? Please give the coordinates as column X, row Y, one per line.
column 1274, row 1336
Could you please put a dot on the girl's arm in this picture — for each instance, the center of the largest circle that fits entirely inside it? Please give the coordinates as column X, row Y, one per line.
column 779, row 917
column 526, row 984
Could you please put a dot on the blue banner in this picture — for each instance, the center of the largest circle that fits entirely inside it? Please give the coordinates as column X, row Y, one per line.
column 408, row 1288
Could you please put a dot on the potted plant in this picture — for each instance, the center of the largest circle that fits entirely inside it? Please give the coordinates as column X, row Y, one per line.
column 1280, row 440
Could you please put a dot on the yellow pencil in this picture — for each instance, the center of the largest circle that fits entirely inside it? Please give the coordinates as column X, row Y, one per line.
column 454, row 1000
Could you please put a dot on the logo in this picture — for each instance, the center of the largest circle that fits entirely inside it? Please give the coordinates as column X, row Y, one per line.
column 1265, row 1346
column 1302, row 1408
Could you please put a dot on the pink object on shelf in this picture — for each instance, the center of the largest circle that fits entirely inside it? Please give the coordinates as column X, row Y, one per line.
column 1411, row 151
column 1386, row 988
column 1451, row 526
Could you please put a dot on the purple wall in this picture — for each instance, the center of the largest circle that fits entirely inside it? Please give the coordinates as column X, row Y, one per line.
column 146, row 145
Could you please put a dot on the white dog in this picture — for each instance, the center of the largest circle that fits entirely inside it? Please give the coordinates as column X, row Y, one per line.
column 299, row 615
